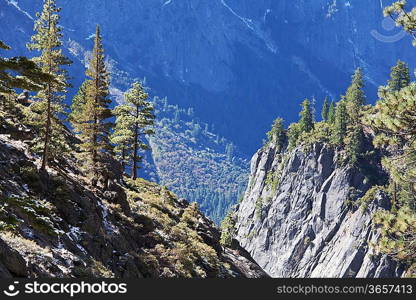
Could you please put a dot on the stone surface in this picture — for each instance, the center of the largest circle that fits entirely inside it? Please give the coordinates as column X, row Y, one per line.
column 309, row 225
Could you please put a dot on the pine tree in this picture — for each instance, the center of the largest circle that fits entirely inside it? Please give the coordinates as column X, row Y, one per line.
column 355, row 91
column 29, row 76
column 306, row 117
column 355, row 99
column 399, row 76
column 341, row 122
column 134, row 121
column 94, row 126
column 325, row 110
column 123, row 135
column 78, row 106
column 47, row 41
column 331, row 113
column 394, row 117
column 293, row 134
column 21, row 73
column 277, row 134
column 403, row 17
column 227, row 230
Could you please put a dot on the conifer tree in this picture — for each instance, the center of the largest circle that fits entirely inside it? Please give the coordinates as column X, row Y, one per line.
column 293, row 133
column 403, row 17
column 21, row 73
column 341, row 122
column 306, row 122
column 277, row 134
column 331, row 113
column 355, row 99
column 78, row 106
column 399, row 76
column 227, row 230
column 47, row 41
column 325, row 110
column 94, row 124
column 134, row 120
column 394, row 117
column 355, row 96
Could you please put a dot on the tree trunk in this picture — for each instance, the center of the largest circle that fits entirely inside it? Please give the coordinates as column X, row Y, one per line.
column 123, row 159
column 47, row 132
column 48, row 117
column 136, row 133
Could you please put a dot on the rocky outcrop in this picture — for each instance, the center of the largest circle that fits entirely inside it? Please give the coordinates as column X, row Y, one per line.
column 55, row 224
column 302, row 215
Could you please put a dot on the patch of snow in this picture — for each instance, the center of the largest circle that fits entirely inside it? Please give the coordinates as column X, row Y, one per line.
column 74, row 235
column 26, row 187
column 167, row 3
column 253, row 27
column 28, row 233
column 304, row 68
column 16, row 5
column 248, row 22
column 268, row 11
column 109, row 227
column 332, row 9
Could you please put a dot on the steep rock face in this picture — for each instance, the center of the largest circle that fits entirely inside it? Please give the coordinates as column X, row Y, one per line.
column 299, row 217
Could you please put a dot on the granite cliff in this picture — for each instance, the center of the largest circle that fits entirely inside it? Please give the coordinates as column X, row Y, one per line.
column 307, row 214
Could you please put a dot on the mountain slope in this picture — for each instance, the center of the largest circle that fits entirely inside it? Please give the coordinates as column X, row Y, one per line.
column 307, row 214
column 55, row 224
column 226, row 57
column 194, row 162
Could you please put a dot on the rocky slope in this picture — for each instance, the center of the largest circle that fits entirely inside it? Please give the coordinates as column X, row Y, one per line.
column 306, row 214
column 55, row 224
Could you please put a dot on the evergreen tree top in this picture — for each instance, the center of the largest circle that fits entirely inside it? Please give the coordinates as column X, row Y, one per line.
column 48, row 32
column 306, row 116
column 399, row 76
column 137, row 95
column 355, row 92
column 325, row 110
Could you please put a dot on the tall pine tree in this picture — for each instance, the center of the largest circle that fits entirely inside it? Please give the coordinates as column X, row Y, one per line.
column 355, row 100
column 399, row 76
column 78, row 105
column 94, row 124
column 48, row 41
column 325, row 110
column 331, row 113
column 19, row 72
column 341, row 122
column 277, row 134
column 355, row 96
column 134, row 120
column 306, row 122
